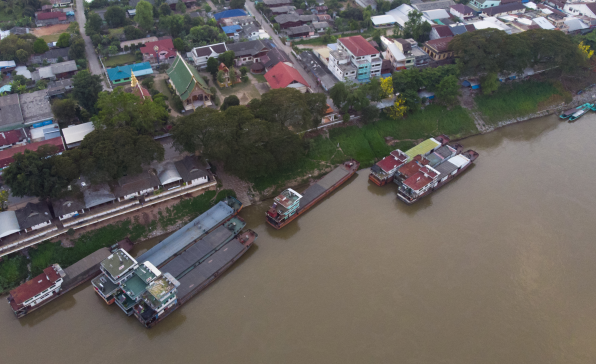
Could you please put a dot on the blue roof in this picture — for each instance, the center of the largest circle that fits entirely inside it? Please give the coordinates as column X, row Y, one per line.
column 231, row 29
column 6, row 88
column 229, row 14
column 120, row 72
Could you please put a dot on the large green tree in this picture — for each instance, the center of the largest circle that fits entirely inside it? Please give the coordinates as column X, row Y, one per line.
column 40, row 46
column 448, row 90
column 417, row 27
column 64, row 110
column 144, row 15
column 115, row 16
column 93, row 24
column 212, row 65
column 237, row 4
column 77, row 49
column 86, row 89
column 290, row 108
column 63, row 40
column 11, row 44
column 181, row 7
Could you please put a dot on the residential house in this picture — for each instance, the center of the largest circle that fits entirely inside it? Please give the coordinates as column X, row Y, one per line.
column 122, row 74
column 492, row 23
column 251, row 51
column 460, row 28
column 325, row 17
column 433, row 5
column 61, row 3
column 302, row 31
column 461, row 11
column 277, row 3
column 7, row 66
column 60, row 87
column 129, row 187
column 557, row 4
column 274, row 57
column 192, row 171
column 366, row 3
column 395, row 56
column 19, row 31
column 34, row 216
column 354, row 59
column 437, row 14
column 283, row 10
column 232, row 13
column 8, row 224
column 289, row 20
column 581, row 9
column 51, row 56
column 142, row 41
column 574, row 25
column 322, row 9
column 200, row 55
column 484, row 4
column 250, row 32
column 237, row 20
column 400, row 14
column 165, row 49
column 284, row 76
column 511, row 8
column 438, row 49
column 232, row 31
column 383, row 20
column 440, row 31
column 96, row 195
column 6, row 155
column 53, row 18
column 25, row 109
column 320, row 26
column 228, row 79
column 74, row 134
column 188, row 84
column 543, row 23
column 68, row 207
column 58, row 70
column 168, row 175
column 12, row 137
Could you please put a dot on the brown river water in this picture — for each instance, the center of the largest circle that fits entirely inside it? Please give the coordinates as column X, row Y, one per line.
column 498, row 266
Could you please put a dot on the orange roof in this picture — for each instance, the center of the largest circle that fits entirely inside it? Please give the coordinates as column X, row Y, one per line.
column 281, row 75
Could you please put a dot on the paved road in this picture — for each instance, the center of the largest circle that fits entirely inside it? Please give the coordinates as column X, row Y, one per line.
column 94, row 65
column 313, row 84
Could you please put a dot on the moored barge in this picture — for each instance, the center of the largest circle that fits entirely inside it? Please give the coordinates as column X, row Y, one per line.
column 382, row 172
column 290, row 204
column 55, row 281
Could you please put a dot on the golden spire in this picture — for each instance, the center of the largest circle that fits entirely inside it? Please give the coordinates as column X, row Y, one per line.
column 133, row 80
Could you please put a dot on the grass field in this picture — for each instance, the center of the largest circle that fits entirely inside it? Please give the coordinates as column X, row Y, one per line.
column 50, row 38
column 519, row 99
column 116, row 32
column 119, row 60
column 259, row 78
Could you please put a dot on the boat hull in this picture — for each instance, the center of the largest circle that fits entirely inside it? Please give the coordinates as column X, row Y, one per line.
column 378, row 181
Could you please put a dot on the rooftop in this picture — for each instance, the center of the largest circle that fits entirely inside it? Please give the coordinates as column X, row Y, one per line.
column 282, row 75
column 36, row 285
column 120, row 72
column 503, row 9
column 440, row 45
column 190, row 168
column 67, row 205
column 8, row 223
column 358, row 46
column 76, row 133
column 138, row 282
column 287, row 198
column 252, row 47
column 118, row 264
column 417, row 181
column 229, row 14
column 10, row 110
column 185, row 78
column 166, row 48
column 36, row 107
column 422, row 148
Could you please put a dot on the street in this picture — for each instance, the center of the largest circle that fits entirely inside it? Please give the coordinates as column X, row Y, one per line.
column 94, row 66
column 278, row 43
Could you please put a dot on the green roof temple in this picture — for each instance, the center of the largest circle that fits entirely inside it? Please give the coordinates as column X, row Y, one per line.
column 188, row 84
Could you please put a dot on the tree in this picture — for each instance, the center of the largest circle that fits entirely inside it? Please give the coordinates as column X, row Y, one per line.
column 243, row 70
column 77, row 49
column 289, row 107
column 73, row 28
column 40, row 46
column 346, row 118
column 131, row 33
column 165, row 9
column 387, row 87
column 277, row 27
column 398, row 110
column 64, row 110
column 374, row 90
column 212, row 66
column 119, row 109
column 237, row 4
column 339, row 94
column 417, row 27
column 207, row 8
column 115, row 152
column 22, row 56
column 86, row 89
column 198, row 132
column 231, row 100
column 221, row 77
column 369, row 114
column 3, row 200
column 489, row 83
column 63, row 40
column 144, row 15
column 227, row 58
column 179, row 44
column 181, row 7
column 479, row 51
column 11, row 44
column 42, row 173
column 148, row 82
column 448, row 89
column 93, row 24
column 115, row 16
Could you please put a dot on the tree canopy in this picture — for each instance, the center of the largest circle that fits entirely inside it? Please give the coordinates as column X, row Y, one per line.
column 40, row 46
column 115, row 16
column 93, row 24
column 86, row 89
column 63, row 40
column 11, row 44
column 77, row 48
column 144, row 15
column 231, row 100
column 416, row 27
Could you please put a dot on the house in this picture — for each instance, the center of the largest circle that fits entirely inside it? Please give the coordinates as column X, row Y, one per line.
column 19, row 31
column 543, row 23
column 460, row 28
column 320, row 26
column 288, row 20
column 232, row 13
column 51, row 56
column 237, row 20
column 433, row 5
column 96, row 195
column 45, row 132
column 168, row 175
column 400, row 14
column 492, row 23
column 143, row 41
column 172, row 3
column 8, row 224
column 188, row 84
column 284, row 76
column 276, row 3
column 232, row 31
column 61, row 3
column 6, row 155
column 366, row 3
column 322, row 9
column 122, row 74
column 12, row 137
column 395, row 56
column 34, row 216
column 74, row 134
column 574, row 25
column 355, row 59
column 461, row 11
column 192, row 172
column 581, row 9
column 302, row 31
column 438, row 49
column 484, row 4
column 250, row 32
column 25, row 109
column 383, row 20
column 440, row 31
column 142, row 184
column 274, row 57
column 228, row 79
column 68, row 207
column 557, row 4
column 250, row 51
column 7, row 66
column 325, row 17
column 165, row 49
column 511, row 8
column 58, row 70
column 436, row 14
column 53, row 18
column 200, row 55
column 283, row 10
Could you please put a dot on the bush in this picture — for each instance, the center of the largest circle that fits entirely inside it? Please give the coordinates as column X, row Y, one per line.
column 177, row 102
column 82, row 63
column 148, row 82
column 13, row 270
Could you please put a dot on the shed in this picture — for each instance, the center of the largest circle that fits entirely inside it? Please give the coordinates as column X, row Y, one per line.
column 122, row 74
column 8, row 223
column 74, row 134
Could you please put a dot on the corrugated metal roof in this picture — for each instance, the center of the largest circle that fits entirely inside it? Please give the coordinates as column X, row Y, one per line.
column 8, row 223
column 120, row 72
column 459, row 160
column 422, row 148
column 76, row 133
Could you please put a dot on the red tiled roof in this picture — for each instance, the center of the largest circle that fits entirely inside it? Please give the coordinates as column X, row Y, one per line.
column 53, row 15
column 399, row 155
column 34, row 286
column 388, row 164
column 470, row 27
column 281, row 75
column 324, row 17
column 417, row 181
column 7, row 154
column 165, row 45
column 443, row 30
column 358, row 46
column 10, row 137
column 440, row 44
column 409, row 168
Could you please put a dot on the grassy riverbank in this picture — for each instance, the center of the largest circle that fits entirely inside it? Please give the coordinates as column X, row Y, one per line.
column 520, row 99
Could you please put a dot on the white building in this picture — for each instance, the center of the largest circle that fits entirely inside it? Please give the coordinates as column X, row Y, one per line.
column 394, row 54
column 355, row 59
column 200, row 55
column 579, row 9
column 74, row 134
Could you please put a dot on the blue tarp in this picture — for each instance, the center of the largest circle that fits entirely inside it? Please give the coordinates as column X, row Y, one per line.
column 466, row 83
column 120, row 72
column 231, row 29
column 5, row 88
column 229, row 14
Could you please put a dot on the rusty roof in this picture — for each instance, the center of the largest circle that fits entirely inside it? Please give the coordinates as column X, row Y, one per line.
column 410, row 168
column 34, row 286
column 417, row 181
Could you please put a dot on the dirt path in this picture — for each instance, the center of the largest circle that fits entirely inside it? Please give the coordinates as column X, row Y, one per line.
column 52, row 29
column 232, row 182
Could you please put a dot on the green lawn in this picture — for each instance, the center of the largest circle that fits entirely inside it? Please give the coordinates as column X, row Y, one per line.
column 259, row 78
column 116, row 32
column 50, row 38
column 519, row 99
column 120, row 60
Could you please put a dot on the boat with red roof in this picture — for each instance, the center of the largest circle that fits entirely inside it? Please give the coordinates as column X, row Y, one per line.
column 382, row 172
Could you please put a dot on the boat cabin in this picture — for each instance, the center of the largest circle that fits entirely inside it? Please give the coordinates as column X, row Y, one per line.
column 35, row 291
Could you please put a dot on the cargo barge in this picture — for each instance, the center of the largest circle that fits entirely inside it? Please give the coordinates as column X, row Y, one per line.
column 55, row 281
column 290, row 204
column 107, row 284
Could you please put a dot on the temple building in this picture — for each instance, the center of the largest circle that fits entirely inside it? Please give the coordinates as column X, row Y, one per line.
column 188, row 84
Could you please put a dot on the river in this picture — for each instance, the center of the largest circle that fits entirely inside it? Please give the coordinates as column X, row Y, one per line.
column 496, row 267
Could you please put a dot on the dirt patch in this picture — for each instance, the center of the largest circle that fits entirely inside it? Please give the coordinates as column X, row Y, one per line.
column 52, row 29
